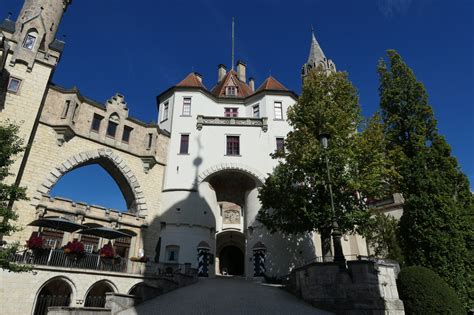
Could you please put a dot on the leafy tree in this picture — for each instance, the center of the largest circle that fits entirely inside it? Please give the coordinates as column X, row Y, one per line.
column 436, row 226
column 380, row 233
column 295, row 196
column 10, row 145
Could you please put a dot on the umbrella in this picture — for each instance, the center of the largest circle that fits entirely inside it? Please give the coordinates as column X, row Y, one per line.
column 57, row 223
column 104, row 232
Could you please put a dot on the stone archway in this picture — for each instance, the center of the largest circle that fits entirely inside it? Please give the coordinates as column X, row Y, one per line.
column 112, row 163
column 57, row 291
column 259, row 177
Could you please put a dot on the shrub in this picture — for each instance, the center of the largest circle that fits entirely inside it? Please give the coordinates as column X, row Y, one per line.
column 424, row 292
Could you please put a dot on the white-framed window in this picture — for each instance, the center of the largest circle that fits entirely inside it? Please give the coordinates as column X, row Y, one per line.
column 280, row 144
column 278, row 111
column 256, row 111
column 231, row 91
column 29, row 41
column 233, row 145
column 186, row 106
column 172, row 253
column 14, row 85
column 165, row 111
column 184, row 144
column 231, row 112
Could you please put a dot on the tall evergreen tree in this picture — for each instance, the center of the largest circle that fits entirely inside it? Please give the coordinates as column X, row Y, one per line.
column 436, row 227
column 295, row 197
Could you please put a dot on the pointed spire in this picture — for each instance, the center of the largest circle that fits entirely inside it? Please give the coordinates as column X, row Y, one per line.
column 316, row 54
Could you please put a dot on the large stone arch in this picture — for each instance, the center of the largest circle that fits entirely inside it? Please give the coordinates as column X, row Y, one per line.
column 259, row 177
column 64, row 278
column 112, row 163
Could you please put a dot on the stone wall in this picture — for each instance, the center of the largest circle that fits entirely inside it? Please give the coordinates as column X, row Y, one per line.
column 365, row 287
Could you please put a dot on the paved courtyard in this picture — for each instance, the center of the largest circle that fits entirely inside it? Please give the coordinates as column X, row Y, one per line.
column 225, row 296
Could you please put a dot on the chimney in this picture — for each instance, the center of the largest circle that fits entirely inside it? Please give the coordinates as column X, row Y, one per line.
column 221, row 72
column 198, row 76
column 241, row 71
column 252, row 84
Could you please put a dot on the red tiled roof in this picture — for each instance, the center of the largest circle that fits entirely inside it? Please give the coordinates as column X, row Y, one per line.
column 191, row 80
column 271, row 84
column 243, row 90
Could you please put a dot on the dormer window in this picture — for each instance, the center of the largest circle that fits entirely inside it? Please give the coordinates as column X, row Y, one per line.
column 30, row 40
column 231, row 91
column 114, row 121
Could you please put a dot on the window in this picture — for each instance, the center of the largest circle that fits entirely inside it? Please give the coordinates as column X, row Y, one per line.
column 150, row 141
column 233, row 145
column 184, row 145
column 14, row 85
column 74, row 115
column 231, row 91
column 126, row 133
column 172, row 253
column 231, row 112
column 165, row 111
column 280, row 145
column 96, row 121
column 29, row 42
column 112, row 129
column 187, row 106
column 278, row 111
column 66, row 109
column 256, row 111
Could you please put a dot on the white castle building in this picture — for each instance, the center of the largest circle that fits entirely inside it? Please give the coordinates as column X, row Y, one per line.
column 190, row 182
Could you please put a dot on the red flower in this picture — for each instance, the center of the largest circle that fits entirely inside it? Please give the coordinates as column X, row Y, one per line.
column 74, row 248
column 35, row 242
column 107, row 251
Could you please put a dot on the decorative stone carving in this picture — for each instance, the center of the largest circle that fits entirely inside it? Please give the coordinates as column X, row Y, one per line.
column 63, row 134
column 231, row 121
column 231, row 216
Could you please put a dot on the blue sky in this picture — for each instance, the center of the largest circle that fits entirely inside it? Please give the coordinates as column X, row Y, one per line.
column 140, row 48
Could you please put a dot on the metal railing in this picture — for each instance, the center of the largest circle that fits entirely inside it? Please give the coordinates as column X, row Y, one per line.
column 58, row 258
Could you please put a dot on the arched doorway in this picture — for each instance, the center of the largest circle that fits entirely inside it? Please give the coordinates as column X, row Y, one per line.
column 56, row 292
column 231, row 261
column 96, row 295
column 230, row 253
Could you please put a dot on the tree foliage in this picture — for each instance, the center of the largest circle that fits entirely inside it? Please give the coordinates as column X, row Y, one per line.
column 10, row 145
column 380, row 233
column 436, row 226
column 295, row 196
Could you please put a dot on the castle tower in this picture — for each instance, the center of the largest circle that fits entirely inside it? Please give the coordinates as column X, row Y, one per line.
column 316, row 58
column 29, row 53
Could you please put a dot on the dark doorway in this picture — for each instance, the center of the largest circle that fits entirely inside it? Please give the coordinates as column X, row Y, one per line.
column 231, row 261
column 56, row 293
column 96, row 295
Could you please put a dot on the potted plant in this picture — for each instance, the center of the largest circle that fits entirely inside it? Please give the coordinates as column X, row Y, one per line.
column 107, row 254
column 35, row 244
column 74, row 249
column 142, row 259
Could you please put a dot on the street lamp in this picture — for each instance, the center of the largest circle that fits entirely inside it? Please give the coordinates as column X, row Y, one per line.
column 336, row 233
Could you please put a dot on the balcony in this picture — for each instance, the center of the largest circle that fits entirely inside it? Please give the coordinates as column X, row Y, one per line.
column 57, row 258
column 232, row 121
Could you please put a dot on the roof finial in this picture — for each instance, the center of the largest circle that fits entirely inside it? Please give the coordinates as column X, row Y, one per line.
column 233, row 45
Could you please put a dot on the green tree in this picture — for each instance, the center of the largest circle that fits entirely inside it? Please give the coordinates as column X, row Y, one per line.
column 436, row 226
column 10, row 145
column 295, row 196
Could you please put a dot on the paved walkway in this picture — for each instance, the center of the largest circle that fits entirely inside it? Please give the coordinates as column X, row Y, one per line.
column 226, row 296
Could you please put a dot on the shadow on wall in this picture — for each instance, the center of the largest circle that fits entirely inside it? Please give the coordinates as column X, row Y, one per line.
column 4, row 78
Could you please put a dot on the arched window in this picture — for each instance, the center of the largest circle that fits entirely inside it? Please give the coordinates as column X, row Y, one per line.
column 96, row 295
column 114, row 121
column 56, row 292
column 30, row 40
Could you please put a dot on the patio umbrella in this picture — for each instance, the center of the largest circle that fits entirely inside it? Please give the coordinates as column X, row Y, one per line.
column 57, row 223
column 104, row 232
